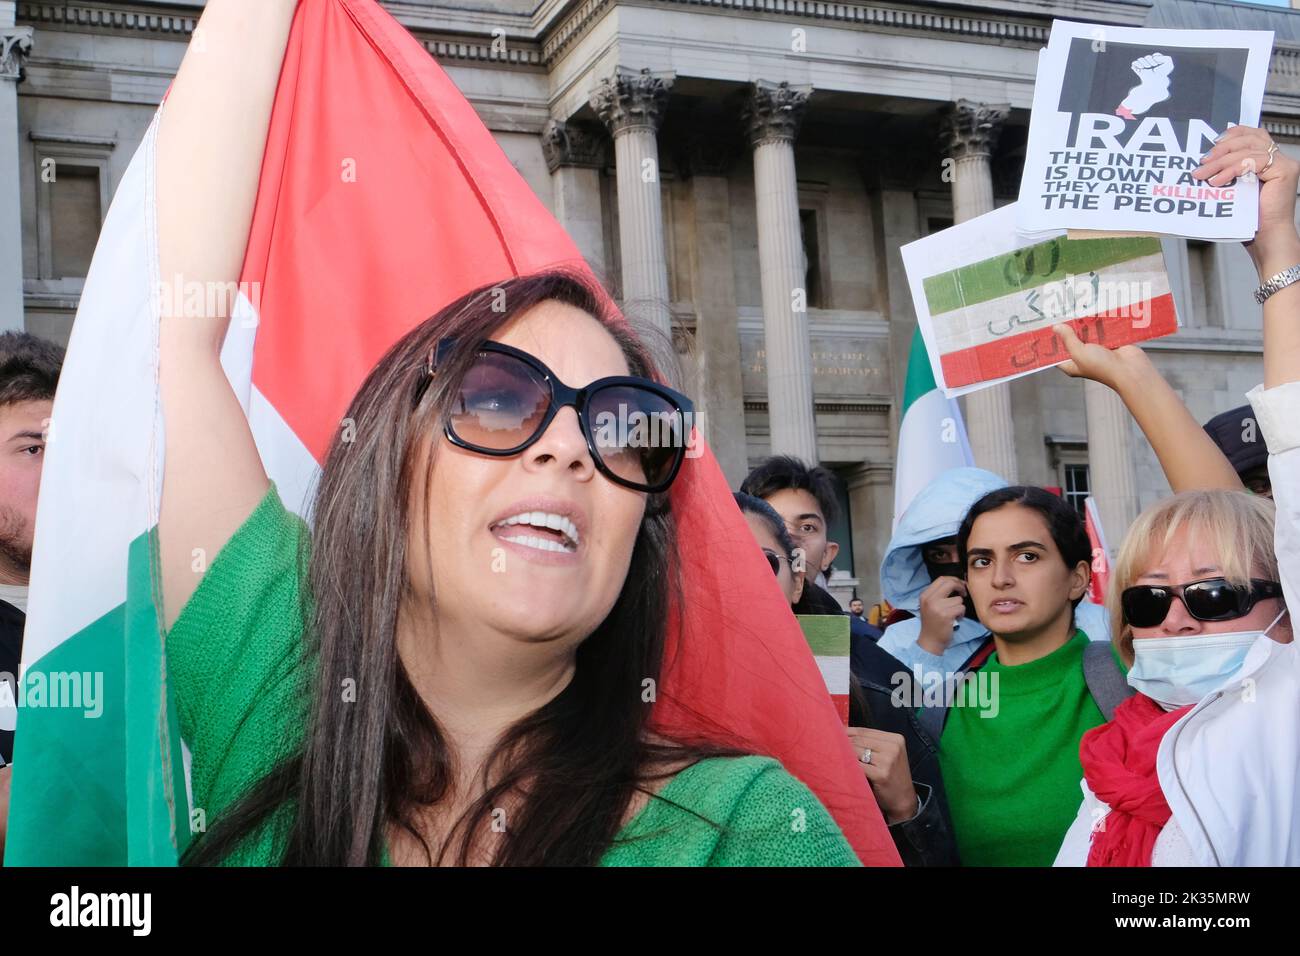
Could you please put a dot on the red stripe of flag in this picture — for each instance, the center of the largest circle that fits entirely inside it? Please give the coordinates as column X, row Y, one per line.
column 1041, row 347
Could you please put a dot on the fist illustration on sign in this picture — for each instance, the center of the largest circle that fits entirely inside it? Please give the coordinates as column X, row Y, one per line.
column 1153, row 85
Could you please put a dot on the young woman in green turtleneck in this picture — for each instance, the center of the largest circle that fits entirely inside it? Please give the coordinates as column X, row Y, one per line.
column 1011, row 766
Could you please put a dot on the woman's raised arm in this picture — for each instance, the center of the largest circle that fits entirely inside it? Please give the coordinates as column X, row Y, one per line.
column 1188, row 456
column 211, row 140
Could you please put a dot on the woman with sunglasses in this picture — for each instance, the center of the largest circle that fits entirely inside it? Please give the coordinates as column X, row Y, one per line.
column 774, row 538
column 1202, row 765
column 452, row 665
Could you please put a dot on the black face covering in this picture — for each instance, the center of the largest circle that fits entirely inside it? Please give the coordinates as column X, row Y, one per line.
column 953, row 570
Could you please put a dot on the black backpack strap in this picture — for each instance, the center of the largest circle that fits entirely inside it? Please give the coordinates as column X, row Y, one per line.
column 1106, row 682
column 932, row 719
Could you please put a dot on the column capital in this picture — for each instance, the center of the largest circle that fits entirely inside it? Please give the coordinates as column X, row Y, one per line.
column 774, row 111
column 15, row 48
column 631, row 99
column 573, row 144
column 969, row 128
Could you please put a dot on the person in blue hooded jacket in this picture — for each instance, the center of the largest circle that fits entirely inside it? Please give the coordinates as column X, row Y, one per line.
column 921, row 574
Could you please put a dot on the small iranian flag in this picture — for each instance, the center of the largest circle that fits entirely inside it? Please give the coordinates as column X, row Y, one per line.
column 829, row 637
column 993, row 319
column 382, row 199
column 931, row 435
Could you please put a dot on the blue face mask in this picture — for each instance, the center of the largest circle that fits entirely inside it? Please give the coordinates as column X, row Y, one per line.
column 1176, row 671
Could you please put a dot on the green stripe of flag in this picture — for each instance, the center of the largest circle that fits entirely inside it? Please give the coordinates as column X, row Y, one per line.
column 1028, row 268
column 920, row 377
column 68, row 793
column 157, row 806
column 102, row 786
column 826, row 634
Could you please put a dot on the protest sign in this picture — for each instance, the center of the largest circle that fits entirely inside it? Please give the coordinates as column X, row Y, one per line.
column 828, row 636
column 1122, row 116
column 987, row 296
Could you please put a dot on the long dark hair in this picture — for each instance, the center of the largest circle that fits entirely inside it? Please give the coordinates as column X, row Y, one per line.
column 568, row 770
column 1063, row 523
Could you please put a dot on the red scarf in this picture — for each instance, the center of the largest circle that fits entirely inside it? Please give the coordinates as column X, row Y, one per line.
column 1119, row 763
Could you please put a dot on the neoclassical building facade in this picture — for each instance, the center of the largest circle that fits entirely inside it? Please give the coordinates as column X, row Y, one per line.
column 742, row 173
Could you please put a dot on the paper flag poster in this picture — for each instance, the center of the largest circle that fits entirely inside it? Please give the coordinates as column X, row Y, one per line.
column 1122, row 116
column 986, row 297
column 829, row 637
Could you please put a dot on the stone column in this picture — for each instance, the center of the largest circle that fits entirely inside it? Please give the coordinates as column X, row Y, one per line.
column 969, row 134
column 575, row 154
column 631, row 105
column 1111, row 469
column 15, row 47
column 773, row 114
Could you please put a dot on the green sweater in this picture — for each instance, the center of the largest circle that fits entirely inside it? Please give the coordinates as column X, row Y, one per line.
column 1013, row 779
column 242, row 690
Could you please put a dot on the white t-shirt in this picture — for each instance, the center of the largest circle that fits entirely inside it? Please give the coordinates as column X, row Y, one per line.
column 15, row 594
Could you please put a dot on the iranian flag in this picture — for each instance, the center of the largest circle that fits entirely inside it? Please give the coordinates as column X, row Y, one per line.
column 992, row 319
column 931, row 435
column 382, row 199
column 829, row 638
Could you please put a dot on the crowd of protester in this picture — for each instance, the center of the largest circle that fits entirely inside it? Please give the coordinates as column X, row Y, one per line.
column 1172, row 712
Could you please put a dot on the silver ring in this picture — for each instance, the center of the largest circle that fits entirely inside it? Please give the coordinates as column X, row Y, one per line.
column 1272, row 155
column 866, row 756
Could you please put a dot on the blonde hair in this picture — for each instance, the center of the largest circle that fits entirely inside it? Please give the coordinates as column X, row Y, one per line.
column 1236, row 525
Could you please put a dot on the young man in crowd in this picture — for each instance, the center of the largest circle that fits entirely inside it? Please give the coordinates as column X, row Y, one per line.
column 29, row 374
column 804, row 497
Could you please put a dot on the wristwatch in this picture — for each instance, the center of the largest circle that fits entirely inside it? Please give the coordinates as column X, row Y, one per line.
column 1278, row 282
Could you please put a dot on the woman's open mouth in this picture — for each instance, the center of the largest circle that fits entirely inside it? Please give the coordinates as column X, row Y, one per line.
column 1006, row 606
column 540, row 530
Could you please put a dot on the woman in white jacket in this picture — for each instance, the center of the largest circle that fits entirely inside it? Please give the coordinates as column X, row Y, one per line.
column 1202, row 766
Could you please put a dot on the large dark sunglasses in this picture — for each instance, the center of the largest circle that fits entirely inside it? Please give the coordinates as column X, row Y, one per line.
column 1214, row 599
column 637, row 430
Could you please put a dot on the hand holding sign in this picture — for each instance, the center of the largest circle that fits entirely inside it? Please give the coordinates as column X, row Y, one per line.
column 1245, row 149
column 986, row 297
column 1110, row 156
column 1114, row 368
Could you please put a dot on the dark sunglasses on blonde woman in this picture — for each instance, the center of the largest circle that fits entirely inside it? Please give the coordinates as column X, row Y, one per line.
column 636, row 430
column 1214, row 599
